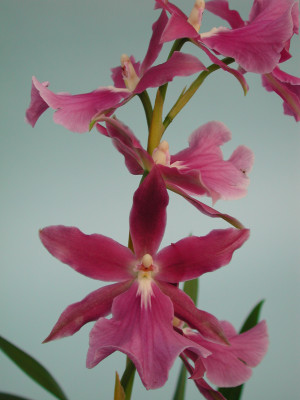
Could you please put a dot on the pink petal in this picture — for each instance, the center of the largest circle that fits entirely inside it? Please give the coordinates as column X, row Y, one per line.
column 155, row 44
column 145, row 334
column 185, row 309
column 287, row 87
column 207, row 391
column 97, row 304
column 37, row 105
column 178, row 27
column 205, row 209
column 75, row 112
column 230, row 366
column 117, row 76
column 148, row 214
column 251, row 346
column 95, row 256
column 188, row 180
column 237, row 74
column 221, row 9
column 136, row 158
column 217, row 177
column 257, row 46
column 193, row 256
column 180, row 64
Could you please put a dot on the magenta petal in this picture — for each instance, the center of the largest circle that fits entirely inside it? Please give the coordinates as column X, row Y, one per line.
column 229, row 366
column 155, row 44
column 37, row 105
column 95, row 256
column 178, row 27
column 221, row 9
column 145, row 334
column 287, row 87
column 217, row 177
column 188, row 180
column 75, row 112
column 193, row 256
column 97, row 304
column 148, row 214
column 257, row 46
column 205, row 209
column 136, row 158
column 185, row 309
column 180, row 64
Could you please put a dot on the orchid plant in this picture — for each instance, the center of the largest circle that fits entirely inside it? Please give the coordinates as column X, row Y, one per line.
column 147, row 314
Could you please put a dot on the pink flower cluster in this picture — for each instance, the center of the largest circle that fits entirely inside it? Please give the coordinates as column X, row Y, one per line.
column 153, row 321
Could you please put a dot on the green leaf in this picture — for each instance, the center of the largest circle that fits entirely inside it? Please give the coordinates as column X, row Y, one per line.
column 235, row 393
column 7, row 396
column 191, row 288
column 252, row 318
column 128, row 378
column 180, row 388
column 32, row 368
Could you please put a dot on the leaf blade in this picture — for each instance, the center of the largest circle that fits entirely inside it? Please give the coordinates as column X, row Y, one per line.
column 32, row 368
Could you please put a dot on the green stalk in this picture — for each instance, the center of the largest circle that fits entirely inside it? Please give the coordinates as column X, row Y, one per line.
column 189, row 93
column 145, row 99
column 177, row 45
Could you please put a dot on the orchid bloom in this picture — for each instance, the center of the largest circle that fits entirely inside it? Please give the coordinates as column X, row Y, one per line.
column 181, row 26
column 76, row 112
column 145, row 298
column 197, row 170
column 261, row 43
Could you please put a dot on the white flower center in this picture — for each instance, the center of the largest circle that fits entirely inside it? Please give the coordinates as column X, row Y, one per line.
column 161, row 154
column 129, row 75
column 195, row 17
column 144, row 278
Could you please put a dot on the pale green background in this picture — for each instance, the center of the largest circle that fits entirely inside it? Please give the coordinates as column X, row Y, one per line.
column 52, row 176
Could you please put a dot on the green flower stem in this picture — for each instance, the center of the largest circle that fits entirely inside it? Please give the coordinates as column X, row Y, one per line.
column 128, row 378
column 156, row 126
column 189, row 93
column 177, row 45
column 145, row 99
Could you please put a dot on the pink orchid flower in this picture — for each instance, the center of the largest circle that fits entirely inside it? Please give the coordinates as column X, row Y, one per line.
column 75, row 112
column 197, row 170
column 181, row 26
column 261, row 43
column 145, row 298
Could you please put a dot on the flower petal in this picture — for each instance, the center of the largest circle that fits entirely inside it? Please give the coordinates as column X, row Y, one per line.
column 193, row 256
column 221, row 9
column 95, row 256
column 180, row 64
column 257, row 46
column 178, row 27
column 37, row 105
column 145, row 334
column 287, row 87
column 75, row 112
column 185, row 309
column 230, row 366
column 218, row 178
column 136, row 158
column 97, row 304
column 148, row 214
column 205, row 209
column 155, row 44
